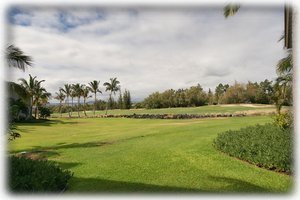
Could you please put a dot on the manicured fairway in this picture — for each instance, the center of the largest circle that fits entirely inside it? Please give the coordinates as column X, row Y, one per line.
column 144, row 155
column 232, row 108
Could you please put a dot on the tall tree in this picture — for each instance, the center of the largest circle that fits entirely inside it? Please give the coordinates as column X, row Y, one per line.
column 72, row 95
column 78, row 93
column 85, row 94
column 127, row 99
column 113, row 87
column 67, row 89
column 94, row 88
column 120, row 101
column 61, row 97
column 15, row 57
column 40, row 96
column 30, row 86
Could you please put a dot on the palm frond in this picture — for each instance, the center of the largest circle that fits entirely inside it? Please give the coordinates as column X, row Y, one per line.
column 231, row 9
column 16, row 58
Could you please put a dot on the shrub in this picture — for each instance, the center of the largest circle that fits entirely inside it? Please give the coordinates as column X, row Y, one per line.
column 28, row 175
column 45, row 112
column 284, row 120
column 266, row 146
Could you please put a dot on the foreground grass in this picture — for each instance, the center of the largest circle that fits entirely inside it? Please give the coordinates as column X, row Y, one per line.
column 233, row 108
column 128, row 155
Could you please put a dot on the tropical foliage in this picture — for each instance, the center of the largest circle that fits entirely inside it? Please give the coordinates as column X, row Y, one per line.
column 266, row 146
column 27, row 175
column 113, row 87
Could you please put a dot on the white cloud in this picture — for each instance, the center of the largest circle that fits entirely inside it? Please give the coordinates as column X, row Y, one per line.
column 152, row 49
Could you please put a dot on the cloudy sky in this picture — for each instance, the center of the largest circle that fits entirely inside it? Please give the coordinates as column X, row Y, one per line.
column 147, row 49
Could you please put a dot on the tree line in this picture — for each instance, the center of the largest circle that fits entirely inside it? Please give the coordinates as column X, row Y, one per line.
column 72, row 91
column 264, row 92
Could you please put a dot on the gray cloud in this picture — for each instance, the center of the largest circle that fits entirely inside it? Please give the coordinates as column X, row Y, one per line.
column 151, row 49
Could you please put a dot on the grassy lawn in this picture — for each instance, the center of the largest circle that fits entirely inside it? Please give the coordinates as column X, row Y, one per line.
column 144, row 155
column 233, row 108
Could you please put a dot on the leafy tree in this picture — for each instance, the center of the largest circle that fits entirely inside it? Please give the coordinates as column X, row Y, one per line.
column 210, row 97
column 113, row 87
column 45, row 112
column 219, row 92
column 120, row 101
column 235, row 94
column 127, row 99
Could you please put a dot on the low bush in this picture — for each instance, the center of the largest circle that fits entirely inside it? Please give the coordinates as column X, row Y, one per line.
column 26, row 175
column 266, row 146
column 284, row 120
column 45, row 112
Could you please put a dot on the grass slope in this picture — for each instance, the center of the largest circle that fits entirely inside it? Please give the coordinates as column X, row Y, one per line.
column 233, row 108
column 143, row 155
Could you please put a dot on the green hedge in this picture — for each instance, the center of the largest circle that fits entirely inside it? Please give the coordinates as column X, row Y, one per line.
column 26, row 175
column 266, row 146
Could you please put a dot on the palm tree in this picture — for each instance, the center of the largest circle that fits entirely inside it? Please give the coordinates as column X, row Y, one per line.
column 67, row 91
column 113, row 87
column 285, row 65
column 30, row 87
column 40, row 96
column 61, row 97
column 78, row 93
column 85, row 95
column 15, row 58
column 72, row 95
column 94, row 88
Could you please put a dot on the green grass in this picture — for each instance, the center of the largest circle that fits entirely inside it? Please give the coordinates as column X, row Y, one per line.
column 190, row 110
column 144, row 155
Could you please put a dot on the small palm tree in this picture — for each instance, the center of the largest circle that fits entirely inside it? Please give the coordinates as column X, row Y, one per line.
column 72, row 95
column 67, row 91
column 61, row 97
column 94, row 88
column 113, row 87
column 15, row 57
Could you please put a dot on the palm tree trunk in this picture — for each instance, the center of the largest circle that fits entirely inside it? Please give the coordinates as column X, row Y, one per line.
column 68, row 107
column 60, row 105
column 78, row 106
column 84, row 107
column 107, row 103
column 95, row 104
column 30, row 109
column 72, row 105
column 36, row 111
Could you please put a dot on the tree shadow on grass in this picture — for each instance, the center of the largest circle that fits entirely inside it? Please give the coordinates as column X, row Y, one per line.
column 93, row 185
column 66, row 146
column 239, row 186
column 44, row 122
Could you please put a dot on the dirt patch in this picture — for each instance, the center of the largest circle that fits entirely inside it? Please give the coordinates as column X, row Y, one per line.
column 37, row 155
